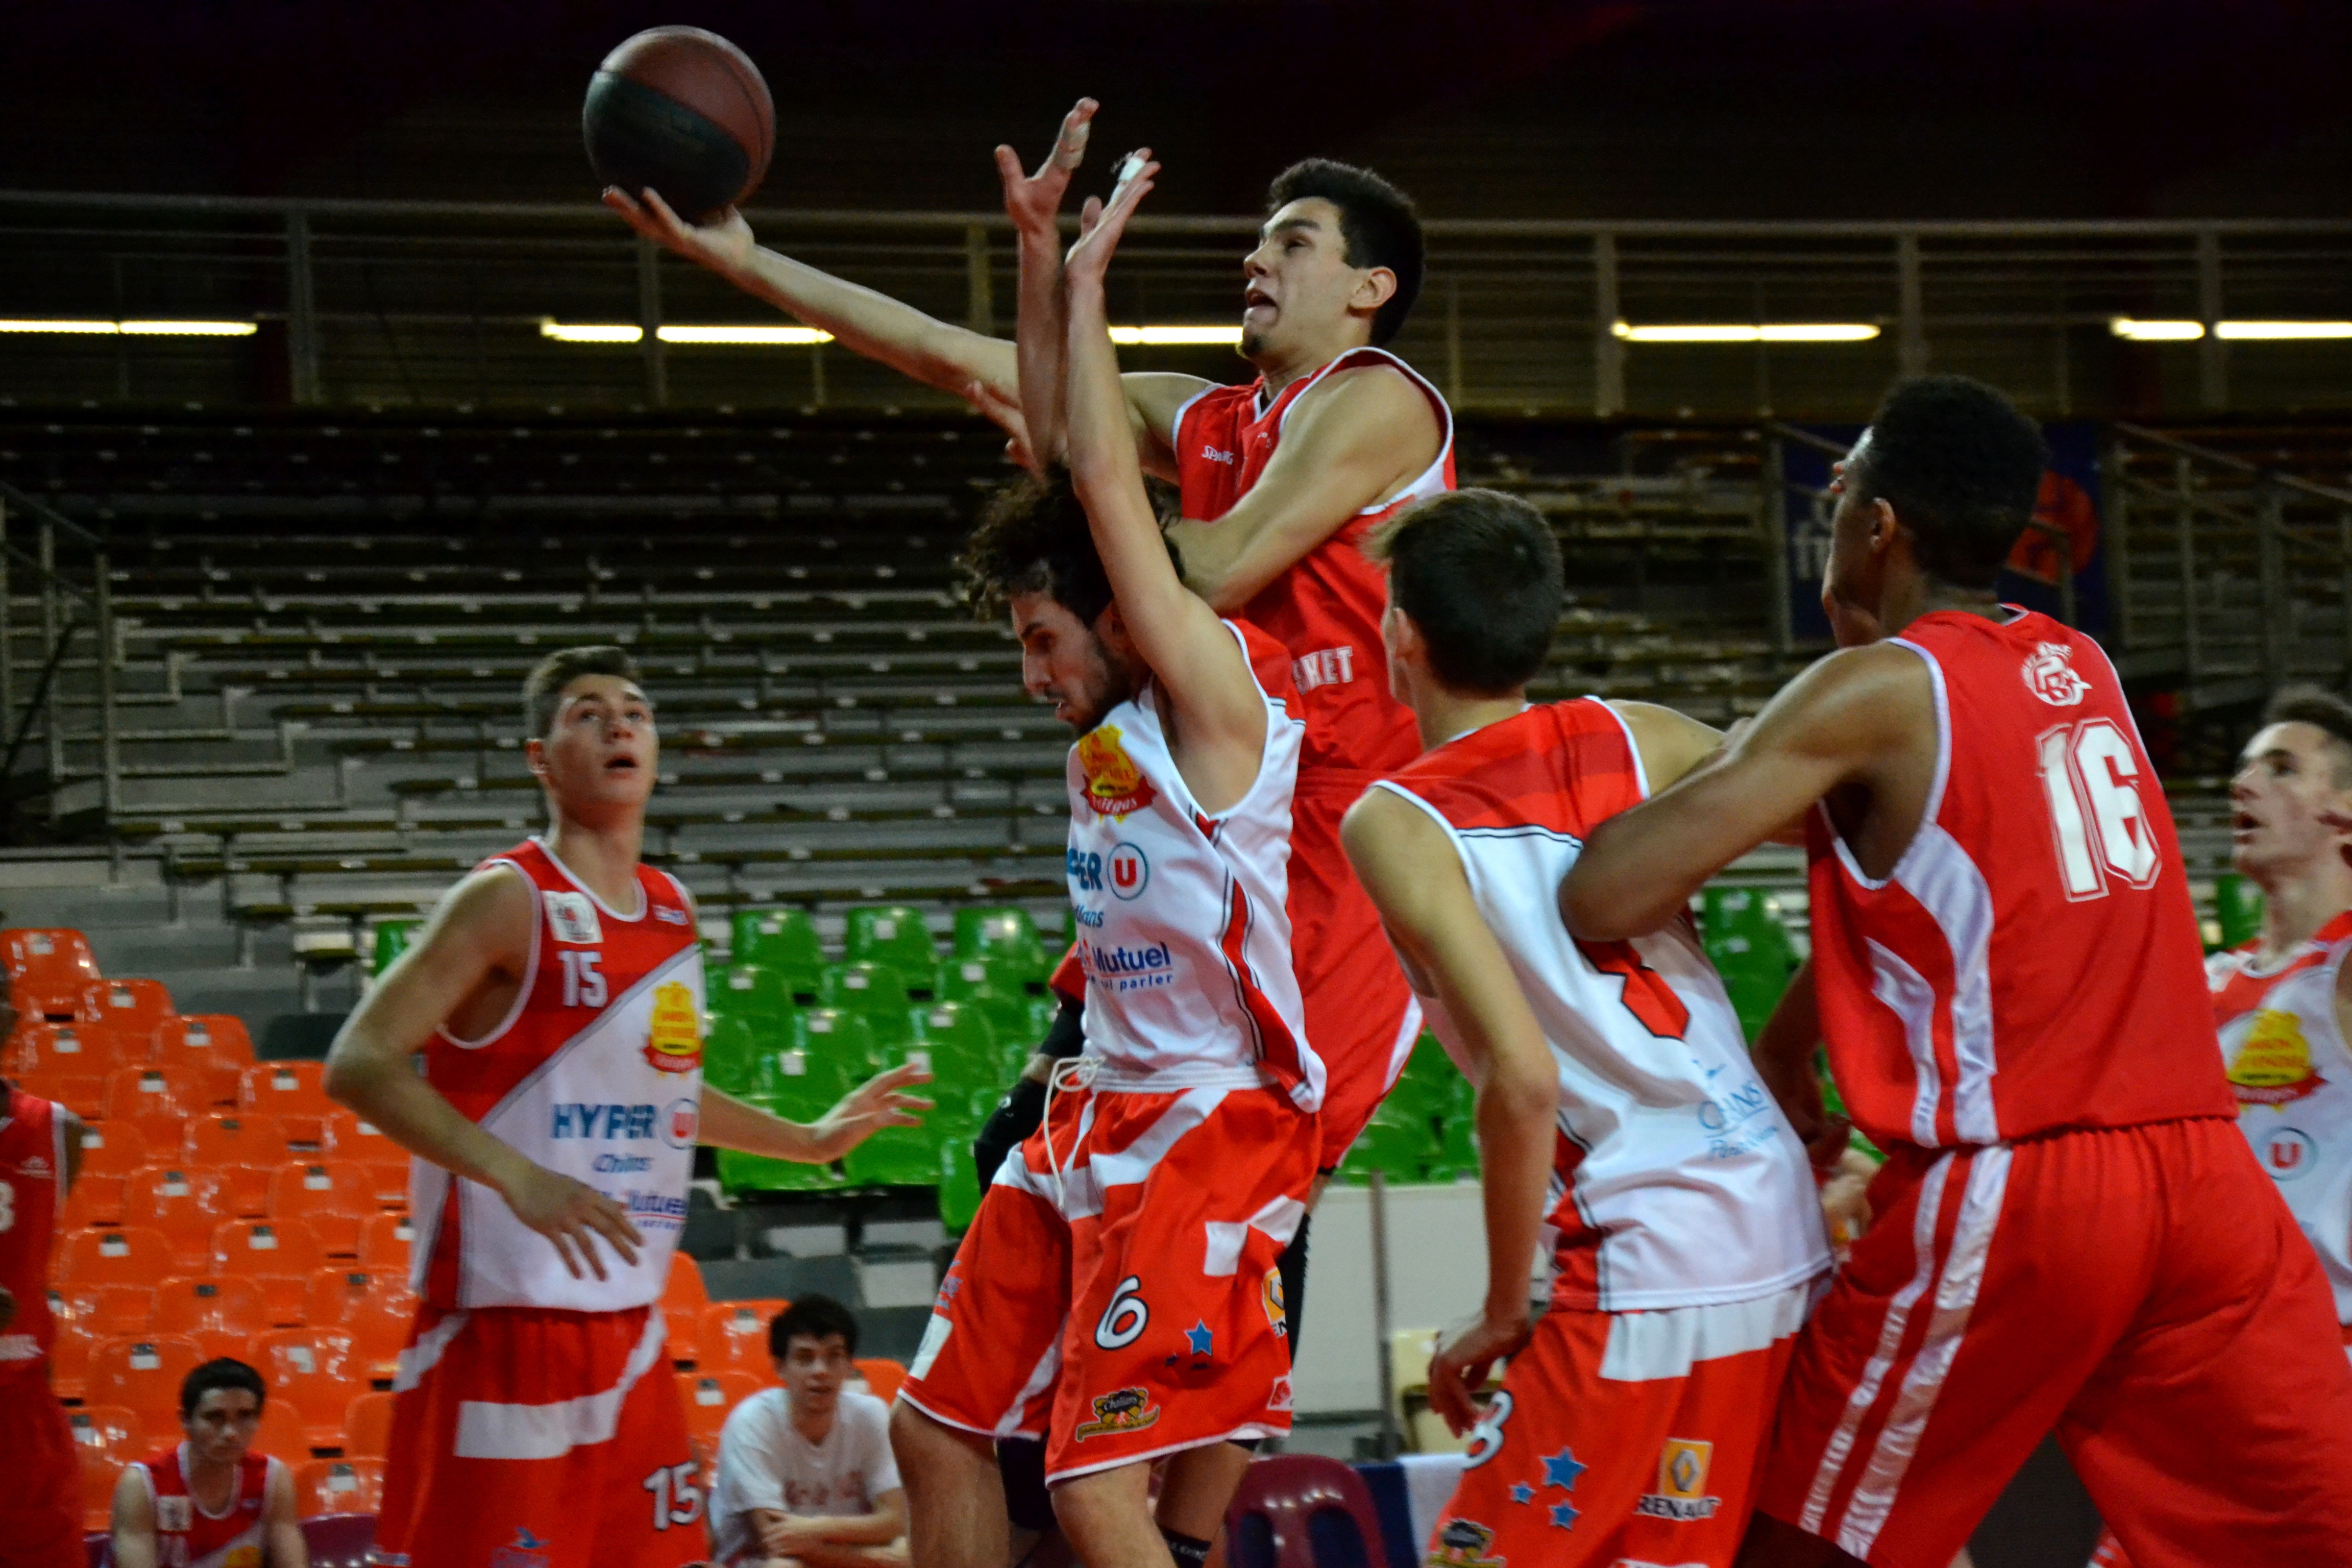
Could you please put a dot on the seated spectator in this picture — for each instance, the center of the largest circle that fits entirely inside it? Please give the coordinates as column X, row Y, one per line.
column 805, row 1471
column 211, row 1498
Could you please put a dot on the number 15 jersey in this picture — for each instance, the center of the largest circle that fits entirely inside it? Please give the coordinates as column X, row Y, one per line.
column 2031, row 961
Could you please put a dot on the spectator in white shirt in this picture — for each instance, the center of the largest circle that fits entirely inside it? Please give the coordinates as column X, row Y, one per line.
column 805, row 1476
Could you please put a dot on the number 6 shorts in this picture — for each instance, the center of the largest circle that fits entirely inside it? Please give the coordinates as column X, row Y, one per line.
column 1130, row 1306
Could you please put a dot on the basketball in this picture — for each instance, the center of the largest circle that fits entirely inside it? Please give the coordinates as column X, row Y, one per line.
column 683, row 112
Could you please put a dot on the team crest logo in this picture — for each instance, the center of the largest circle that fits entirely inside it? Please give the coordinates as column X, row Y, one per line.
column 1121, row 1411
column 1115, row 787
column 2273, row 1067
column 1464, row 1543
column 526, row 1550
column 2050, row 677
column 573, row 918
column 1682, row 1483
column 1277, row 1315
column 674, row 1036
column 1279, row 1398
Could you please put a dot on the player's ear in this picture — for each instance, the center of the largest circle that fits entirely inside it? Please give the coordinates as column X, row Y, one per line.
column 1375, row 288
column 534, row 757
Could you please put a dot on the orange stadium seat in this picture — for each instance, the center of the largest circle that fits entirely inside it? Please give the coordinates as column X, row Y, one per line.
column 108, row 1438
column 389, row 1180
column 184, row 1203
column 335, row 1197
column 105, row 1312
column 339, row 1485
column 219, row 1312
column 82, row 1096
column 135, row 1007
column 114, row 1150
column 346, row 1137
column 281, row 1254
column 43, row 1051
column 684, row 1295
column 134, row 1255
column 95, row 1200
column 882, row 1376
column 283, row 1431
column 374, row 1307
column 46, row 950
column 69, row 1358
column 156, row 1102
column 312, row 1369
column 237, row 1139
column 294, row 1092
column 710, row 1397
column 384, row 1242
column 144, row 1373
column 367, row 1427
column 734, row 1335
column 216, row 1036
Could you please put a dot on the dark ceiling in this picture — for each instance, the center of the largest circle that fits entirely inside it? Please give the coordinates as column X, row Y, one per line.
column 1649, row 108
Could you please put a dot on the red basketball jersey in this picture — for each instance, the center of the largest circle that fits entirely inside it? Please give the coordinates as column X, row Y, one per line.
column 1326, row 609
column 2032, row 962
column 32, row 1181
column 188, row 1537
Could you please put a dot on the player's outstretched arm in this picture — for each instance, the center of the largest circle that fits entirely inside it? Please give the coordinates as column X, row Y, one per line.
column 1221, row 715
column 1041, row 337
column 133, row 1525
column 879, row 1102
column 1840, row 722
column 1353, row 440
column 480, row 933
column 1409, row 866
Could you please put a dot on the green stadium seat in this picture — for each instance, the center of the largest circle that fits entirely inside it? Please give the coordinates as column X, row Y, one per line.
column 876, row 991
column 1400, row 1144
column 392, row 939
column 2237, row 906
column 963, row 1044
column 784, row 939
column 990, row 983
column 959, row 1185
column 823, row 1054
column 1741, row 932
column 732, row 1049
column 752, row 991
column 893, row 935
column 1005, row 932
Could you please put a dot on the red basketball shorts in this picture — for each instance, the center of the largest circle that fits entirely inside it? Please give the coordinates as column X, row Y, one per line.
column 1362, row 1017
column 40, row 1479
column 529, row 1439
column 1132, row 1306
column 1624, row 1437
column 2143, row 1291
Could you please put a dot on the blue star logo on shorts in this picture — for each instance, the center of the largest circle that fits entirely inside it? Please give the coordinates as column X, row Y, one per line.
column 1561, row 1470
column 1563, row 1515
column 1201, row 1338
column 1523, row 1493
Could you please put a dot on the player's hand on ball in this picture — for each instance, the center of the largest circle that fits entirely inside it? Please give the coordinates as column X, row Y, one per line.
column 866, row 1110
column 724, row 245
column 1035, row 201
column 1465, row 1356
column 572, row 1214
column 1100, row 222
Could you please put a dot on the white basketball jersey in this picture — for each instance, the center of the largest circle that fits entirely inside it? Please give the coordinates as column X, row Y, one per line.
column 2284, row 1051
column 1678, row 1182
column 1183, row 920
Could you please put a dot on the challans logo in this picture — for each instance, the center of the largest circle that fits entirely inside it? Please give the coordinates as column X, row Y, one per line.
column 1464, row 1543
column 1682, row 1483
column 1121, row 1410
column 2273, row 1067
column 674, row 1035
column 1115, row 787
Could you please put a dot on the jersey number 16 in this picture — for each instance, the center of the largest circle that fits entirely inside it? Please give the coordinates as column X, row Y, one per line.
column 2088, row 776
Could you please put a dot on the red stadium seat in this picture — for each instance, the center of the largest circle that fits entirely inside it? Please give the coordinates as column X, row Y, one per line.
column 105, row 1312
column 335, row 1197
column 281, row 1254
column 134, row 1255
column 339, row 1485
column 215, row 1036
column 82, row 1096
column 184, row 1203
column 95, row 1200
column 133, row 1007
column 114, row 1150
column 684, row 1295
column 69, row 1358
column 1288, row 1490
column 108, row 1438
column 367, row 1427
column 312, row 1369
column 143, row 1374
column 237, row 1139
column 384, row 1242
column 734, row 1336
column 882, row 1376
column 346, row 1137
column 374, row 1306
column 710, row 1397
column 221, row 1313
column 294, row 1092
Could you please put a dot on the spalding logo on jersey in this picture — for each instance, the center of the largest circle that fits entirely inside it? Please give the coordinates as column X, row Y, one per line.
column 1115, row 787
column 674, row 1036
column 573, row 918
column 2049, row 677
column 2273, row 1067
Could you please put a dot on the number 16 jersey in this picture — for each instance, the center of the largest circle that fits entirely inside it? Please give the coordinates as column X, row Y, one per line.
column 2031, row 961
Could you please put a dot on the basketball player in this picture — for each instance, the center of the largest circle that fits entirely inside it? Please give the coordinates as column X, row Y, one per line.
column 1281, row 481
column 210, row 1499
column 40, row 1484
column 1614, row 1088
column 1120, row 1276
column 2282, row 1002
column 2069, row 1232
column 556, row 999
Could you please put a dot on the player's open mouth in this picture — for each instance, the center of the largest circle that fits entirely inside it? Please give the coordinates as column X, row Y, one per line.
column 2243, row 822
column 1255, row 299
column 622, row 765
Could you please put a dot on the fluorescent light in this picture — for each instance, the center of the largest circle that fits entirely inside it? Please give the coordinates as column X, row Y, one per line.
column 2280, row 331
column 189, row 329
column 804, row 336
column 1228, row 337
column 1767, row 332
column 2157, row 332
column 591, row 333
column 57, row 327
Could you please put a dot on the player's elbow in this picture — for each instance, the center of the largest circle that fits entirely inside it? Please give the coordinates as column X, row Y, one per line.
column 1591, row 909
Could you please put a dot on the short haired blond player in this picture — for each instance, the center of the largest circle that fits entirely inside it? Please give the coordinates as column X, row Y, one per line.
column 540, row 1052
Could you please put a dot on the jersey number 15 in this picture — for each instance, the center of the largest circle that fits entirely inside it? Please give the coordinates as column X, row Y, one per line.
column 2089, row 776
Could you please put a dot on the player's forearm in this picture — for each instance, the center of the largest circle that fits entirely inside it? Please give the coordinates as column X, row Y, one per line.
column 729, row 1123
column 866, row 322
column 134, row 1549
column 1790, row 1037
column 1041, row 338
column 838, row 1555
column 852, row 1529
column 380, row 1086
column 1110, row 480
column 1517, row 1108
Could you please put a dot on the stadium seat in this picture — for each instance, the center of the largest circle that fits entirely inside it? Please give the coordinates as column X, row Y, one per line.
column 882, row 1376
column 961, row 1184
column 781, row 939
column 346, row 1137
column 345, row 1486
column 105, row 1312
column 221, row 1314
column 134, row 1255
column 876, row 991
column 156, row 1101
column 69, row 1356
column 1271, row 1521
column 294, row 1092
column 335, row 1197
column 240, row 1139
column 993, row 985
column 47, row 968
column 184, row 1204
column 756, row 991
column 95, row 1201
column 281, row 1254
column 133, row 1007
column 143, row 1374
column 826, row 1053
column 372, row 1305
column 900, row 1156
column 385, row 1242
column 388, row 941
column 220, row 1036
column 388, row 1179
column 710, row 1397
column 1003, row 931
column 893, row 935
column 41, row 1051
column 282, row 1432
column 314, row 1370
column 367, row 1425
column 2238, row 907
column 684, row 1296
column 108, row 1438
column 961, row 1041
column 85, row 1097
column 734, row 1336
column 115, row 1150
column 733, row 1046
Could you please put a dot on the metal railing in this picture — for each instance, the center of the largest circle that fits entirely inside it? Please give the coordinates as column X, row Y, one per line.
column 439, row 303
column 66, row 580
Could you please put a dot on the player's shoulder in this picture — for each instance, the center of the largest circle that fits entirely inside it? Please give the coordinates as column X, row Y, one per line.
column 870, row 1412
column 756, row 1416
column 1374, row 384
